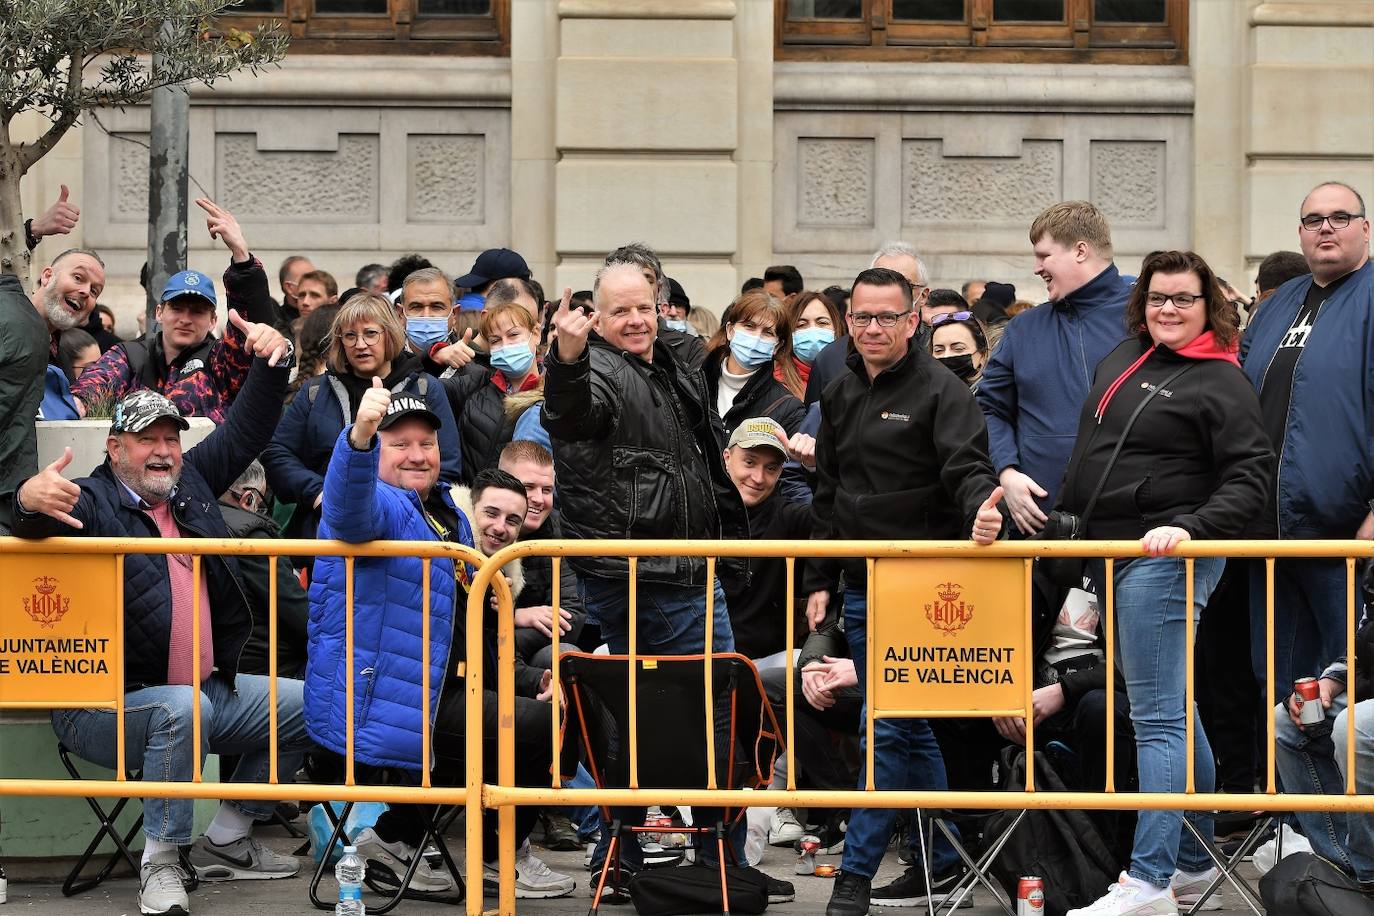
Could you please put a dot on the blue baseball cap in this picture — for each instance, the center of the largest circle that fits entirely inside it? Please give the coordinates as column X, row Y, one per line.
column 190, row 283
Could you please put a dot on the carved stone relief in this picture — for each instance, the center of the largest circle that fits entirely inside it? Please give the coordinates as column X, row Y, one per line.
column 1128, row 180
column 299, row 185
column 129, row 177
column 446, row 178
column 835, row 181
column 979, row 189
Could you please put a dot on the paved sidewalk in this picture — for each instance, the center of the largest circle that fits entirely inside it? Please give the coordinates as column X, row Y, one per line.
column 119, row 897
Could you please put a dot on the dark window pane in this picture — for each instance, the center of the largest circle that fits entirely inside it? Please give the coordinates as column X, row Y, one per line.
column 455, row 7
column 824, row 9
column 352, row 7
column 259, row 6
column 1129, row 11
column 1028, row 10
column 943, row 10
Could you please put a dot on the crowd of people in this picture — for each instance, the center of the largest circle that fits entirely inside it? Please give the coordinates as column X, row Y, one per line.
column 1161, row 407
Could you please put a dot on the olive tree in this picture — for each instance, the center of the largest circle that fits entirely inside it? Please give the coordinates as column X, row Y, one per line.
column 61, row 58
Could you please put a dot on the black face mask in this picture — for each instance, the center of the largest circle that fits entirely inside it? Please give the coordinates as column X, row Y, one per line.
column 961, row 365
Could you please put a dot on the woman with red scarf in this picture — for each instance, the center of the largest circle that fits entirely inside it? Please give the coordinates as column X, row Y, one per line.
column 1193, row 464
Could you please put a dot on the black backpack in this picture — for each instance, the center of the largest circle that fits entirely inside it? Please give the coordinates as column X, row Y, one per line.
column 1304, row 884
column 696, row 889
column 1064, row 848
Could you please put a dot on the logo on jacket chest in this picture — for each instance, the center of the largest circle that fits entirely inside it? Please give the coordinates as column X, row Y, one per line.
column 1163, row 392
column 894, row 415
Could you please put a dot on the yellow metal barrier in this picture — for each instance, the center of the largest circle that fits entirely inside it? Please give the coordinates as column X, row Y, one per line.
column 503, row 795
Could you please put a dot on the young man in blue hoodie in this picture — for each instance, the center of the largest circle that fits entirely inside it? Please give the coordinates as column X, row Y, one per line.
column 1038, row 376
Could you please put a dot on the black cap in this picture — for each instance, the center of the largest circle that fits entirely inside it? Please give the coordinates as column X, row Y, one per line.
column 677, row 295
column 494, row 264
column 408, row 405
column 1004, row 294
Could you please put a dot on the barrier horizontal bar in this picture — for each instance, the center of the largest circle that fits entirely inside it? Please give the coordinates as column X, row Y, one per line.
column 241, row 547
column 254, row 791
column 499, row 796
column 31, row 704
column 949, row 713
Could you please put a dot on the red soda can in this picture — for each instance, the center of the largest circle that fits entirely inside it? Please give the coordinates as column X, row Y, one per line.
column 1307, row 701
column 1030, row 896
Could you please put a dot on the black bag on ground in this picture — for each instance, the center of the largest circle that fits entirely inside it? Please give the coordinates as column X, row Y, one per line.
column 696, row 889
column 1065, row 848
column 1304, row 884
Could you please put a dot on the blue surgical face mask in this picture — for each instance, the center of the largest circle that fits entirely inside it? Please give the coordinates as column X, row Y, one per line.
column 751, row 350
column 426, row 332
column 675, row 324
column 809, row 342
column 513, row 360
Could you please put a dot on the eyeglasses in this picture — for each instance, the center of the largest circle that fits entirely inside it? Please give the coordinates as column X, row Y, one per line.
column 1312, row 222
column 369, row 335
column 950, row 316
column 258, row 499
column 1180, row 300
column 884, row 319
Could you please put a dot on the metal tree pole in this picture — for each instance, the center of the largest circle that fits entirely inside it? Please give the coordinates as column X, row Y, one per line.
column 168, row 142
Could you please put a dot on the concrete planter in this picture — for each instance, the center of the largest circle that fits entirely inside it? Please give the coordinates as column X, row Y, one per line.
column 87, row 441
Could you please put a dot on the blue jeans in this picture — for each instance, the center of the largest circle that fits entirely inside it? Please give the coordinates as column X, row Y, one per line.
column 1314, row 764
column 672, row 621
column 1151, row 645
column 1309, row 619
column 905, row 756
column 157, row 739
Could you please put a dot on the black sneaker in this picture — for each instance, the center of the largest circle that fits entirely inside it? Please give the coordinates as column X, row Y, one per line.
column 617, row 887
column 779, row 891
column 850, row 896
column 910, row 889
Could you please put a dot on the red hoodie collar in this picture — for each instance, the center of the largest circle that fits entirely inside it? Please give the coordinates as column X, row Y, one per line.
column 531, row 382
column 1203, row 346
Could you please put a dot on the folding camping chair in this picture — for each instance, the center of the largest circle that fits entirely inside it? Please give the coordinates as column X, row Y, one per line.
column 1227, row 865
column 670, row 753
column 75, row 884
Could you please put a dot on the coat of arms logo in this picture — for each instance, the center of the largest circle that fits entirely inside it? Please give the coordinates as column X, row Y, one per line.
column 948, row 613
column 47, row 606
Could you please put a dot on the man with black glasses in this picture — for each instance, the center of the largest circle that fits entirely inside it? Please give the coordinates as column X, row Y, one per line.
column 1307, row 351
column 902, row 453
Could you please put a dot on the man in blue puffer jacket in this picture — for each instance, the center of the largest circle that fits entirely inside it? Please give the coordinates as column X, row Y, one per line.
column 1310, row 353
column 1040, row 372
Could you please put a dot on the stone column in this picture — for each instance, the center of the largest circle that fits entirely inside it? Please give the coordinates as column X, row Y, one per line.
column 663, row 134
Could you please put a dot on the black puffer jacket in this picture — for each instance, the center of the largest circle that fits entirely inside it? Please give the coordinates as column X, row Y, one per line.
column 903, row 457
column 762, row 396
column 484, row 423
column 108, row 510
column 1197, row 456
column 638, row 454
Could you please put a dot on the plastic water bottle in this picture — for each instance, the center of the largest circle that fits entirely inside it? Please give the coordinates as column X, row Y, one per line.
column 349, row 873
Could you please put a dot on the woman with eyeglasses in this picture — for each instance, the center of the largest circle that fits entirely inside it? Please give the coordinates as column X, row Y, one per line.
column 958, row 341
column 366, row 340
column 815, row 322
column 1193, row 462
column 741, row 360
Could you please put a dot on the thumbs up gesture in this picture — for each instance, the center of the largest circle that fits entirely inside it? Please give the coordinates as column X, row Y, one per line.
column 987, row 525
column 52, row 494
column 573, row 326
column 261, row 339
column 457, row 354
column 59, row 219
column 373, row 407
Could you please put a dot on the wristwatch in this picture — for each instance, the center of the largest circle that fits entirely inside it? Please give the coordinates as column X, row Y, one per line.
column 29, row 238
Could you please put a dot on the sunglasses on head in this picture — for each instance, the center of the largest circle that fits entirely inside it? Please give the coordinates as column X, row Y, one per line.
column 950, row 316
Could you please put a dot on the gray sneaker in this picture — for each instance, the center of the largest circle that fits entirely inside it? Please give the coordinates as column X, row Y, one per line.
column 395, row 858
column 161, row 892
column 245, row 859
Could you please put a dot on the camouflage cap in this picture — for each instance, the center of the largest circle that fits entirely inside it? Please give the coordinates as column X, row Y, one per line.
column 142, row 409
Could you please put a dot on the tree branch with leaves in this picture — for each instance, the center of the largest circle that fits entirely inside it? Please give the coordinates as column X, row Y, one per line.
column 62, row 58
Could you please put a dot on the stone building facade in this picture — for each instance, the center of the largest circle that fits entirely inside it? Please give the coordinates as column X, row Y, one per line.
column 689, row 124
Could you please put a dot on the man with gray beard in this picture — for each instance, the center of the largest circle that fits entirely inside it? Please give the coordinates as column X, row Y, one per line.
column 63, row 298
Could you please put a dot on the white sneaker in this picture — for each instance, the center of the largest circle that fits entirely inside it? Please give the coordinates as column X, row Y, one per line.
column 1130, row 897
column 533, row 879
column 395, row 858
column 1188, row 887
column 784, row 829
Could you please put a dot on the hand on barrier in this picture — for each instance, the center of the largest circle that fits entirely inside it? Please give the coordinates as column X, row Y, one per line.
column 801, row 448
column 225, row 227
column 261, row 339
column 816, row 606
column 52, row 494
column 59, row 219
column 370, row 412
column 541, row 618
column 987, row 525
column 1021, row 492
column 573, row 326
column 1159, row 541
column 457, row 354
